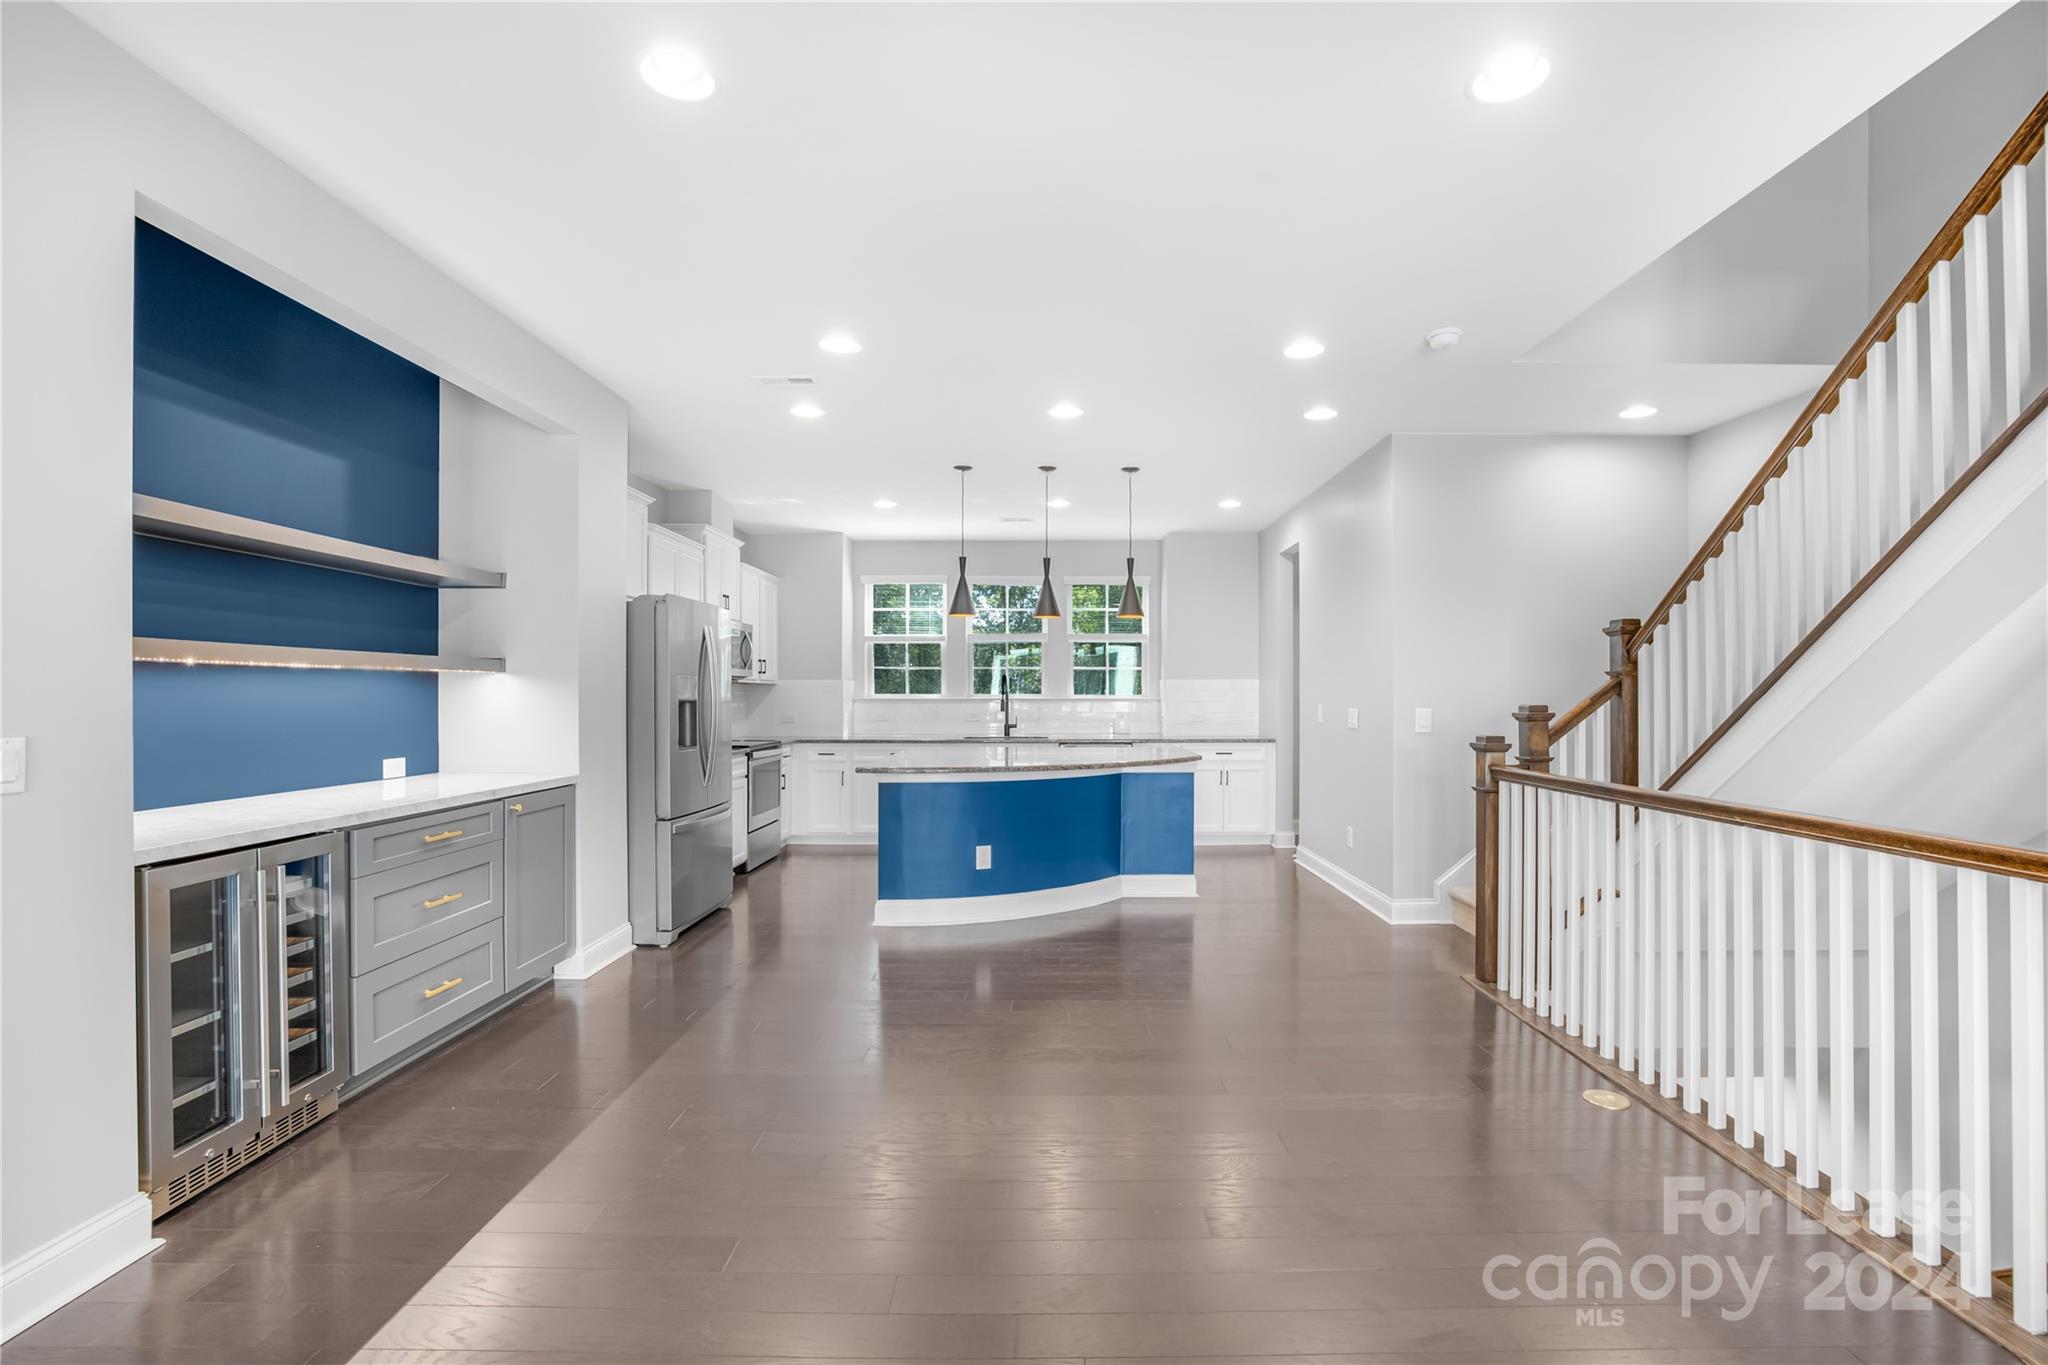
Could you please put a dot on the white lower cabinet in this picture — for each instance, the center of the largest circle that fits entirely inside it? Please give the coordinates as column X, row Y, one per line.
column 821, row 795
column 1234, row 794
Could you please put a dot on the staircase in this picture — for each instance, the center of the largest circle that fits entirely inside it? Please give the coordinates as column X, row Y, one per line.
column 1851, row 1010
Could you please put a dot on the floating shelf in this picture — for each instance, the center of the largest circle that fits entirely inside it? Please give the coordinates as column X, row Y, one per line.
column 155, row 651
column 182, row 522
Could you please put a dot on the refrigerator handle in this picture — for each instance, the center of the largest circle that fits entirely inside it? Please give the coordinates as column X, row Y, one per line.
column 707, row 684
column 274, row 1021
column 255, row 1001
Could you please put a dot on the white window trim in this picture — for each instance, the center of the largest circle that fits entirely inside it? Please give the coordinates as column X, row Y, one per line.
column 1148, row 657
column 1043, row 638
column 869, row 639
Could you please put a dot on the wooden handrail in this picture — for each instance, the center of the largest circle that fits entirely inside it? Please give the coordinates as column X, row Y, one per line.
column 1982, row 197
column 1934, row 848
column 1577, row 714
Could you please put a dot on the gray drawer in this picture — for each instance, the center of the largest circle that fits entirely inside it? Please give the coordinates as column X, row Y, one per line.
column 399, row 843
column 408, row 1001
column 410, row 908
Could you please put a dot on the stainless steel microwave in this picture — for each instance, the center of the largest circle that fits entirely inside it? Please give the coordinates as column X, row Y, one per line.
column 740, row 648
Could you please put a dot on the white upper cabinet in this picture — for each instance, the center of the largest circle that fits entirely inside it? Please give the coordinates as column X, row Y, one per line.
column 675, row 564
column 759, row 595
column 637, row 504
column 721, row 564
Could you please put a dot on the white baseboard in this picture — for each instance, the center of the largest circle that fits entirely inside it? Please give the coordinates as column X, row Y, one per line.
column 1214, row 837
column 38, row 1283
column 1416, row 910
column 828, row 841
column 1283, row 838
column 1053, row 900
column 1456, row 874
column 589, row 961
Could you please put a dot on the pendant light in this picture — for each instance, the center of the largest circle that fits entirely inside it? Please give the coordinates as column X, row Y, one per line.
column 962, row 605
column 1048, row 608
column 1130, row 609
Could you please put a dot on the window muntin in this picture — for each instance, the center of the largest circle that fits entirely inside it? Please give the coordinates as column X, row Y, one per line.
column 1006, row 640
column 906, row 638
column 1108, row 652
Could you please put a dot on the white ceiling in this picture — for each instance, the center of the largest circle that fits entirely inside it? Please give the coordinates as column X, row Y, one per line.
column 1129, row 206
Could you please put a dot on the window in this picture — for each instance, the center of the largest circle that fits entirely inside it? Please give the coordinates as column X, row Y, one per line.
column 1109, row 653
column 1006, row 639
column 906, row 638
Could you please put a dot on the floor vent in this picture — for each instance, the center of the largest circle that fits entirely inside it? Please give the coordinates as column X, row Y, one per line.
column 276, row 1133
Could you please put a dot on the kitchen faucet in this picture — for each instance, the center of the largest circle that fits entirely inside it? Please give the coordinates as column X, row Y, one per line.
column 1009, row 721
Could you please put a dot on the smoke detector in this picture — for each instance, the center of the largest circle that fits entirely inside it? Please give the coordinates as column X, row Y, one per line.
column 784, row 381
column 1443, row 338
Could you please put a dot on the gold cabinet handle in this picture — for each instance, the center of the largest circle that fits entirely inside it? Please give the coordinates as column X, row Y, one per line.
column 518, row 809
column 444, row 834
column 450, row 984
column 437, row 902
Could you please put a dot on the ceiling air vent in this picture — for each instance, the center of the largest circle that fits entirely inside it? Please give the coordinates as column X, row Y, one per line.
column 1014, row 519
column 784, row 381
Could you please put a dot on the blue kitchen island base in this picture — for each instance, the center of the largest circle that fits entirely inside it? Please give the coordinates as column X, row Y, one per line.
column 1004, row 841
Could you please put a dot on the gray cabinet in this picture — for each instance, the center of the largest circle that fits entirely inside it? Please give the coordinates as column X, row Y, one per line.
column 540, row 882
column 402, row 910
column 397, row 843
column 404, row 1003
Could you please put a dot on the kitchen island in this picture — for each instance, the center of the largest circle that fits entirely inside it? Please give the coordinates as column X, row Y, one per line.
column 1003, row 833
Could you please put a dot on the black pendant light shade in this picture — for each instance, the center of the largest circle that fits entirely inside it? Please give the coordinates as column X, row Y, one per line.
column 963, row 604
column 1048, row 608
column 1130, row 609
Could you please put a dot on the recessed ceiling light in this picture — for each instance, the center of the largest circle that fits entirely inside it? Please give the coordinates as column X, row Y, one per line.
column 1059, row 502
column 1230, row 504
column 806, row 410
column 1303, row 348
column 678, row 74
column 1510, row 75
column 1443, row 338
column 1063, row 411
column 1321, row 412
column 883, row 504
column 1636, row 412
column 839, row 343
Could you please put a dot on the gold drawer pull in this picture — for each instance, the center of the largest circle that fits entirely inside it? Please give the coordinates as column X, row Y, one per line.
column 437, row 902
column 444, row 834
column 518, row 809
column 450, row 984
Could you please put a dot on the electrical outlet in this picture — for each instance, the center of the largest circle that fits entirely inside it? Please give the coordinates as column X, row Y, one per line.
column 1351, row 718
column 1424, row 720
column 394, row 767
column 984, row 857
column 1349, row 842
column 13, row 765
column 786, row 718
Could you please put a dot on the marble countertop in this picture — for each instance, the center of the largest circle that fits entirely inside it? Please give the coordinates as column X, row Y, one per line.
column 173, row 832
column 999, row 764
column 1203, row 741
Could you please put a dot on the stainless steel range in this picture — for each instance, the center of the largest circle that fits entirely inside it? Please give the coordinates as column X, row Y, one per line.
column 767, row 780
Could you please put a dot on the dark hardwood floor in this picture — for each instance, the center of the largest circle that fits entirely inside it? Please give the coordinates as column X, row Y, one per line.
column 1260, row 1125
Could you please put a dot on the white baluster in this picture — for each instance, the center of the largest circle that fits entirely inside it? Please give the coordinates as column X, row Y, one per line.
column 1649, row 944
column 1613, row 869
column 1842, row 1026
column 1774, row 999
column 1883, row 1184
column 1742, row 906
column 1533, row 872
column 1716, row 1072
column 1695, row 1011
column 1976, row 340
column 2029, row 1109
column 1906, row 445
column 1546, row 877
column 1819, row 515
column 1941, row 378
column 1791, row 535
column 1699, row 703
column 1877, row 461
column 1806, row 1008
column 1667, row 940
column 2019, row 299
column 1649, row 715
column 1627, row 922
column 1973, row 1078
column 1844, row 449
column 1563, row 997
column 1506, row 945
column 1923, row 970
column 1770, row 581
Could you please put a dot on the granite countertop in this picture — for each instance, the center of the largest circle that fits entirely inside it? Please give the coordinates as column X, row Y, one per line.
column 1144, row 756
column 1204, row 741
column 173, row 832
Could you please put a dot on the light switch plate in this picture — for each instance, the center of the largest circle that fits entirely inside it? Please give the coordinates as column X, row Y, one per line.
column 13, row 766
column 1351, row 717
column 394, row 767
column 1348, row 842
column 1319, row 713
column 984, row 857
column 1424, row 719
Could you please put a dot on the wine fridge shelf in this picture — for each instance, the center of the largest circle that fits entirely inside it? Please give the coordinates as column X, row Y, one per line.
column 186, row 1089
column 196, row 950
column 185, row 1020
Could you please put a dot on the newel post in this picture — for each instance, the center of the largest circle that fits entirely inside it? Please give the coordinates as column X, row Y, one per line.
column 1532, row 723
column 1623, row 730
column 1489, row 752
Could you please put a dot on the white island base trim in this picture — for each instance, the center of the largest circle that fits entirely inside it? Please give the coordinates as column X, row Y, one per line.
column 1051, row 900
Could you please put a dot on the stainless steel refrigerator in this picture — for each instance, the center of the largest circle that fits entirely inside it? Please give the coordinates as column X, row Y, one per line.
column 678, row 765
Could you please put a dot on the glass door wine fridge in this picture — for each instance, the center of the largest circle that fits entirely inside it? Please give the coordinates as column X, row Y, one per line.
column 243, row 986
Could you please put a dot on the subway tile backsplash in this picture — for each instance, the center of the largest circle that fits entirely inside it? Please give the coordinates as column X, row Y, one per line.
column 1193, row 707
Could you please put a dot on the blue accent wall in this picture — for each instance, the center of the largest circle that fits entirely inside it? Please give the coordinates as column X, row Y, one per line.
column 1042, row 833
column 250, row 403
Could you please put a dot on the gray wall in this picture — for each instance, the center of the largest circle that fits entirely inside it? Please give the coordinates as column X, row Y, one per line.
column 1467, row 575
column 1209, row 602
column 811, row 617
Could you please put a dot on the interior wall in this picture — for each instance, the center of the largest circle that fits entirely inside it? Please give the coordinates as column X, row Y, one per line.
column 1209, row 600
column 91, row 139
